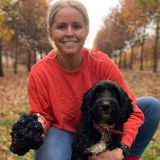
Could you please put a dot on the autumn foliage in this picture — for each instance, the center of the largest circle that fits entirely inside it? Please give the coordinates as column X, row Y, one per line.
column 23, row 34
column 23, row 25
column 130, row 26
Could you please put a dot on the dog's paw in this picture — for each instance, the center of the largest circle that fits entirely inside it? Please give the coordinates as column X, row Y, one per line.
column 26, row 134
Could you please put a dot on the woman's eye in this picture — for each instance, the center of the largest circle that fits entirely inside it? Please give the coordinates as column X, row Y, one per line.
column 61, row 27
column 76, row 26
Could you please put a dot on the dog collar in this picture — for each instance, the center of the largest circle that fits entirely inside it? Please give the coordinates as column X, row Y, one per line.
column 107, row 129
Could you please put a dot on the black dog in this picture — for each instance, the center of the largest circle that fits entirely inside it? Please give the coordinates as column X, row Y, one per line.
column 105, row 107
column 27, row 133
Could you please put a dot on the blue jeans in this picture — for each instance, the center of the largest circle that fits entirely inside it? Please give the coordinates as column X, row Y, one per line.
column 58, row 143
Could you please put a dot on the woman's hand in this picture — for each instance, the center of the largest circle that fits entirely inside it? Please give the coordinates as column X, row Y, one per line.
column 115, row 154
column 42, row 120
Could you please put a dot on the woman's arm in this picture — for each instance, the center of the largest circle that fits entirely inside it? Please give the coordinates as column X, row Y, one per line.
column 37, row 101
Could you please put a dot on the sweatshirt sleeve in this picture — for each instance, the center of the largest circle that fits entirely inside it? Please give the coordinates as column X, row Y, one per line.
column 112, row 72
column 135, row 121
column 38, row 102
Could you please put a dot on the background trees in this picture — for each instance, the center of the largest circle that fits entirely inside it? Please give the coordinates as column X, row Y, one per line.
column 26, row 20
column 130, row 34
column 128, row 31
column 5, row 32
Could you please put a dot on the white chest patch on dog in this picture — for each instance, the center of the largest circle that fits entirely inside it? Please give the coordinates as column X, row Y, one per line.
column 101, row 146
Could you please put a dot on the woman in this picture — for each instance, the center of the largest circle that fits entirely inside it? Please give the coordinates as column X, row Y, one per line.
column 58, row 82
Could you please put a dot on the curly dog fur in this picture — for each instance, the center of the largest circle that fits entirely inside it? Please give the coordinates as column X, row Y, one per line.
column 26, row 134
column 105, row 104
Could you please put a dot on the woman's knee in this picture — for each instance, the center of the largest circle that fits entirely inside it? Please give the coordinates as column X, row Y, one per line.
column 56, row 146
column 149, row 105
column 43, row 154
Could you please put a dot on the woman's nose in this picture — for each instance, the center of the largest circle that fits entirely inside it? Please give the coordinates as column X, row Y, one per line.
column 69, row 31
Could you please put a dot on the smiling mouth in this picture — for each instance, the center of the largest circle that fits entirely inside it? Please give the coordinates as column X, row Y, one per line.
column 69, row 42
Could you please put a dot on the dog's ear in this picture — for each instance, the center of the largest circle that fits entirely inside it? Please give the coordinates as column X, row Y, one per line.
column 126, row 105
column 86, row 101
column 123, row 99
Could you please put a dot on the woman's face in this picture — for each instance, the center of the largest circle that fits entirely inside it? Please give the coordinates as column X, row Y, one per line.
column 69, row 31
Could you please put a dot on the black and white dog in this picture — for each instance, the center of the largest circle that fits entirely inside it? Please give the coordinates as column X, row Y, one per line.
column 105, row 108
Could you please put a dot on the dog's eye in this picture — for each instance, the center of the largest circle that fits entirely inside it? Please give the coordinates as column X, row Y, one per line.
column 106, row 104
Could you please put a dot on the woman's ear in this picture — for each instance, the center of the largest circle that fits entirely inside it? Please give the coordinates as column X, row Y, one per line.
column 87, row 30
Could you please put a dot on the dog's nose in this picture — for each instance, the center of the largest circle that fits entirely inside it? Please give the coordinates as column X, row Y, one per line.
column 107, row 108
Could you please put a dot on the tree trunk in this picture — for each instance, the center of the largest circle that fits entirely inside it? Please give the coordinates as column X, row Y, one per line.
column 155, row 55
column 29, row 61
column 124, row 60
column 131, row 57
column 16, row 57
column 142, row 48
column 1, row 65
column 120, row 60
column 142, row 56
column 116, row 59
column 34, row 57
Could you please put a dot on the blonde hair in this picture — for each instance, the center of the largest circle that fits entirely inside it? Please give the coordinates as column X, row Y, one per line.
column 55, row 7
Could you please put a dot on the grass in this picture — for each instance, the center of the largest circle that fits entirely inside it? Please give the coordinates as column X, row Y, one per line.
column 6, row 123
column 153, row 150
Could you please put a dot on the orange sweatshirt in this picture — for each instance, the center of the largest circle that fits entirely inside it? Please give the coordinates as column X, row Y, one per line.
column 57, row 94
